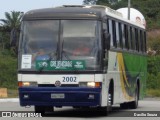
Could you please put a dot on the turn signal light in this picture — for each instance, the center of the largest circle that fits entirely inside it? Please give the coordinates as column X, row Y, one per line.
column 27, row 84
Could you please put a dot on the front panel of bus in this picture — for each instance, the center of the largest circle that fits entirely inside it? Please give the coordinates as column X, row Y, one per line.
column 60, row 63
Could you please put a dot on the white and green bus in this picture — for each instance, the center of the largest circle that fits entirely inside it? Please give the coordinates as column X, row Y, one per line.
column 110, row 70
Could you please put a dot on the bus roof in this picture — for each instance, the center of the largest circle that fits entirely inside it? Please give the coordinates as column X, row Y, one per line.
column 77, row 12
column 64, row 13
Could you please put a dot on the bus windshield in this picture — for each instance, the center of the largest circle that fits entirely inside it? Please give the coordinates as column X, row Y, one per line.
column 60, row 45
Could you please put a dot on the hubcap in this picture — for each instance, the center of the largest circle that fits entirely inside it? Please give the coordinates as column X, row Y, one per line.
column 109, row 99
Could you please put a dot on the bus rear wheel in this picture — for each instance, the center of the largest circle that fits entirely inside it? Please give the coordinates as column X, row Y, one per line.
column 134, row 104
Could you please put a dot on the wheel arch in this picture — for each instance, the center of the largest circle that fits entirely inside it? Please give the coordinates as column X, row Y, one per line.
column 138, row 85
column 111, row 89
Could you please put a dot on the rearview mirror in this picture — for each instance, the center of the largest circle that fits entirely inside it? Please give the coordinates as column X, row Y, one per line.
column 106, row 40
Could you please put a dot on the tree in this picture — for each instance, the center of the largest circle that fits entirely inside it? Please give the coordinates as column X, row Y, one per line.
column 89, row 2
column 100, row 2
column 12, row 20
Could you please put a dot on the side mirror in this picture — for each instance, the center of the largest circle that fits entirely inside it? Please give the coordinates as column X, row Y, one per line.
column 107, row 40
column 13, row 37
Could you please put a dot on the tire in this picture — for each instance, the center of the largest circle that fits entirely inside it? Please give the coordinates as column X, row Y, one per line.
column 43, row 109
column 124, row 105
column 76, row 107
column 49, row 109
column 134, row 104
column 108, row 108
column 39, row 109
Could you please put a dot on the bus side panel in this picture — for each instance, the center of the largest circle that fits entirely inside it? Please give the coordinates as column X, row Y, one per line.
column 136, row 69
column 125, row 69
column 114, row 74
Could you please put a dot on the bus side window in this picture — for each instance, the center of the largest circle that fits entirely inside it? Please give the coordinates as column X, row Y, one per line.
column 123, row 36
column 136, row 39
column 114, row 34
column 133, row 39
column 139, row 40
column 105, row 27
column 129, row 38
column 126, row 36
column 118, row 35
column 110, row 31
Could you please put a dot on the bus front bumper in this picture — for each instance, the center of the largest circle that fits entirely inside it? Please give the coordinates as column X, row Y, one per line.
column 51, row 96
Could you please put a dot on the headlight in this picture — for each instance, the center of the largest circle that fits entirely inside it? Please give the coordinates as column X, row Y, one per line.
column 27, row 84
column 89, row 84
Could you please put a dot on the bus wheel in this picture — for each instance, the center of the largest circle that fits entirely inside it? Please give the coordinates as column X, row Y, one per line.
column 43, row 109
column 49, row 109
column 134, row 104
column 108, row 108
column 124, row 105
column 76, row 107
column 39, row 109
column 109, row 102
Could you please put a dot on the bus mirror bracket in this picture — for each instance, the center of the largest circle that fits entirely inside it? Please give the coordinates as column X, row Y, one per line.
column 107, row 40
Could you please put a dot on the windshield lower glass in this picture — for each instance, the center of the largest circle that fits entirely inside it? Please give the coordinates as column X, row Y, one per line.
column 51, row 45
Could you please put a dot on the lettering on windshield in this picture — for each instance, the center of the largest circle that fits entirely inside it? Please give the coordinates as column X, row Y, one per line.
column 61, row 65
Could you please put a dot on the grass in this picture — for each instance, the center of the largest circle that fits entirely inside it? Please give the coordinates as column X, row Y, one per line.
column 8, row 72
column 153, row 93
column 12, row 93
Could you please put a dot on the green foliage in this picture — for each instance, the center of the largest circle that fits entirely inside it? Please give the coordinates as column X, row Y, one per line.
column 12, row 93
column 156, row 45
column 10, row 24
column 89, row 2
column 154, row 65
column 8, row 70
column 153, row 80
column 4, row 41
column 13, row 19
column 153, row 93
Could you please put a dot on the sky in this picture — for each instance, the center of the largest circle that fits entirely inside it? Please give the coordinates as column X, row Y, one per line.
column 26, row 5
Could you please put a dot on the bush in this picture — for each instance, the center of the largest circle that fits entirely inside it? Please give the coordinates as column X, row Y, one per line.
column 153, row 78
column 153, row 82
column 8, row 71
column 153, row 93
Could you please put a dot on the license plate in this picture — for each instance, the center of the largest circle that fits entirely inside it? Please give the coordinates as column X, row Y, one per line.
column 57, row 96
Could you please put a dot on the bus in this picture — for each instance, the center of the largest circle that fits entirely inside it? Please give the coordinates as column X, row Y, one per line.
column 81, row 56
